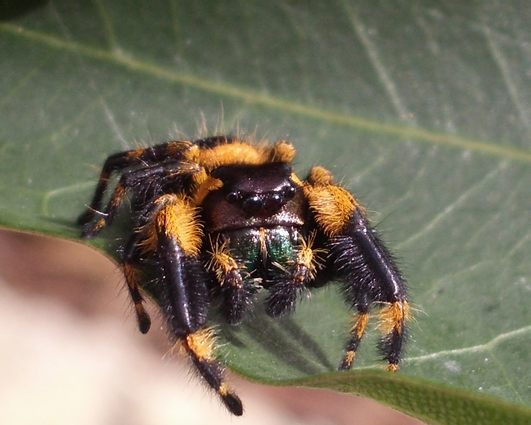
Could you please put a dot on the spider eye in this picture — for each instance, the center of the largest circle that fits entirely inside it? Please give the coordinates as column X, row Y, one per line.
column 289, row 192
column 272, row 204
column 252, row 204
column 232, row 197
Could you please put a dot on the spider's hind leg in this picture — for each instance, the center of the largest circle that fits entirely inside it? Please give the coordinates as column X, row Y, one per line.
column 153, row 177
column 123, row 160
column 132, row 273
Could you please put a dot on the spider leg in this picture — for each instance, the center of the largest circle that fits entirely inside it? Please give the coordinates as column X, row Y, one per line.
column 359, row 257
column 288, row 288
column 212, row 142
column 157, row 176
column 130, row 256
column 356, row 334
column 237, row 292
column 364, row 261
column 175, row 236
column 122, row 160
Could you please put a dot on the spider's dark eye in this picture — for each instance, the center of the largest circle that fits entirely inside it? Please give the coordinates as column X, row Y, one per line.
column 232, row 197
column 252, row 204
column 289, row 192
column 272, row 204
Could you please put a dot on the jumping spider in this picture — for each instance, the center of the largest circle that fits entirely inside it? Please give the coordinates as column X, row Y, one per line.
column 223, row 217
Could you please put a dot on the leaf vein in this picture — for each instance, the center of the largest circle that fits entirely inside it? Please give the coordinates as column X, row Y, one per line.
column 253, row 97
column 472, row 349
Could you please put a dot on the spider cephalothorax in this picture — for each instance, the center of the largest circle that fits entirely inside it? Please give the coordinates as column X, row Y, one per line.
column 223, row 217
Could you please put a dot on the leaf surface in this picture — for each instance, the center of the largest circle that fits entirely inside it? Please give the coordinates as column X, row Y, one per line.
column 421, row 109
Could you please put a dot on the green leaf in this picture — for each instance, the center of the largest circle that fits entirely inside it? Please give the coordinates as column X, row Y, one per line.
column 422, row 109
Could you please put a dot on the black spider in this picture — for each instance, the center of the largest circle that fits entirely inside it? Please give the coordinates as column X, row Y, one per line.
column 223, row 217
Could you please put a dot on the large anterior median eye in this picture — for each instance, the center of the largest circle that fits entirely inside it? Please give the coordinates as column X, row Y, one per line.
column 272, row 203
column 252, row 204
column 263, row 204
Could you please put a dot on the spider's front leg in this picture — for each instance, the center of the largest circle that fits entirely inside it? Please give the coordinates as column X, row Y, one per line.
column 295, row 275
column 231, row 277
column 358, row 256
column 174, row 236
